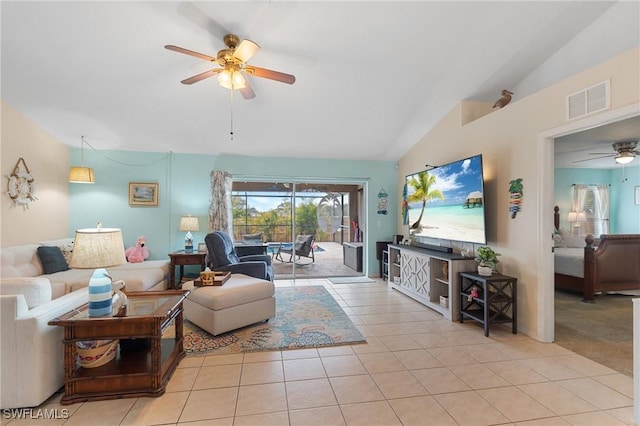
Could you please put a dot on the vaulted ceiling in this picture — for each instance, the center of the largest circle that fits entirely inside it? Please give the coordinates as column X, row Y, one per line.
column 371, row 77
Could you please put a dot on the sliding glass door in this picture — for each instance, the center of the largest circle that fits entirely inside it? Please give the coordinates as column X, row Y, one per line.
column 303, row 226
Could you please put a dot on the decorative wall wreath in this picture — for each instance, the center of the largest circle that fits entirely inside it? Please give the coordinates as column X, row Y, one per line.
column 21, row 186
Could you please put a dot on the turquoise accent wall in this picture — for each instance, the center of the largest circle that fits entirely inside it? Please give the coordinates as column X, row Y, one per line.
column 624, row 215
column 184, row 188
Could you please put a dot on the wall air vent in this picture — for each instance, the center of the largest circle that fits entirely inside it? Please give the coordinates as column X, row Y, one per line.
column 587, row 101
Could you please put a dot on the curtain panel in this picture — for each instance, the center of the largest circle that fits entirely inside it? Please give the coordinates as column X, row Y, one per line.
column 220, row 213
column 602, row 209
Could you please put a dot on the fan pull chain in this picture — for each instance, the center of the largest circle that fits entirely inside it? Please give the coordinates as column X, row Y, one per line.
column 231, row 102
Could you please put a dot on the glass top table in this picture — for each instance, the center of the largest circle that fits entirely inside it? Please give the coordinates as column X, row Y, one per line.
column 143, row 371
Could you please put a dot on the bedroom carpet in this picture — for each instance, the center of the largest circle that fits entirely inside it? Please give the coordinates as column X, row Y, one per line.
column 601, row 331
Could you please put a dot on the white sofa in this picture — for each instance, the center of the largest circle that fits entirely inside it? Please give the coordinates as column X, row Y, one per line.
column 22, row 261
column 31, row 351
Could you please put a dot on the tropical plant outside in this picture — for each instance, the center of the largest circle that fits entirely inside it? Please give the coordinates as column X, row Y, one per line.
column 275, row 224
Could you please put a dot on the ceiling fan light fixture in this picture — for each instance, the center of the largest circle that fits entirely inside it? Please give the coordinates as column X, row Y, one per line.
column 232, row 80
column 625, row 157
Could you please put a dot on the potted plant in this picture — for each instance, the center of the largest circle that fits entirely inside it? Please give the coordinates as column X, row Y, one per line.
column 487, row 260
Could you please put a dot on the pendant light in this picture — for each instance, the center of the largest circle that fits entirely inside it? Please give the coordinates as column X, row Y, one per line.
column 81, row 174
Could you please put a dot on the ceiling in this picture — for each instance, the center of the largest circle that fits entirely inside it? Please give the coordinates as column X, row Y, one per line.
column 595, row 144
column 371, row 77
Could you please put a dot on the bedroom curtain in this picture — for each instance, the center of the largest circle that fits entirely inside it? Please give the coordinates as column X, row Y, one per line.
column 579, row 195
column 220, row 212
column 602, row 209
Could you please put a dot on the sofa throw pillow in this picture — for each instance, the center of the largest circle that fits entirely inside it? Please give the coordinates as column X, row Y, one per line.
column 66, row 250
column 52, row 259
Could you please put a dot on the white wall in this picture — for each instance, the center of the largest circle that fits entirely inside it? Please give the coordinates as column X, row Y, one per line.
column 509, row 141
column 47, row 160
column 613, row 33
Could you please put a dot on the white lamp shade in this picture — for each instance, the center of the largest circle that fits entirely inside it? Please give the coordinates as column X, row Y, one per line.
column 581, row 217
column 189, row 223
column 97, row 248
column 81, row 175
column 232, row 79
column 572, row 217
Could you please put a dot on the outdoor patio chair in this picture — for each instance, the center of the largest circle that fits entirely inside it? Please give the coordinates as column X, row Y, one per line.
column 302, row 247
column 252, row 238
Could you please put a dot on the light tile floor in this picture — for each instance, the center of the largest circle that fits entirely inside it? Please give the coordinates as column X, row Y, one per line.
column 416, row 369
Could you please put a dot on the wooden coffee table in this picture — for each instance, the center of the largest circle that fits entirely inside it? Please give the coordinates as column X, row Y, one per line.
column 144, row 368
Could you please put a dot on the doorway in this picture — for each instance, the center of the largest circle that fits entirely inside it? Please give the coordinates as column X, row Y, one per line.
column 303, row 225
column 546, row 162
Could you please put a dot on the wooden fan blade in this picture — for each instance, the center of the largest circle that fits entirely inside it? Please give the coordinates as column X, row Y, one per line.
column 245, row 50
column 196, row 78
column 272, row 75
column 247, row 92
column 190, row 52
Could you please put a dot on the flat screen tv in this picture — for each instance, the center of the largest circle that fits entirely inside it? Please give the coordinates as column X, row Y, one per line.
column 447, row 202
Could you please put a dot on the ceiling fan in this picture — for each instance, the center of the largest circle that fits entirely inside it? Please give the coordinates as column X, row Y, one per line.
column 625, row 153
column 233, row 63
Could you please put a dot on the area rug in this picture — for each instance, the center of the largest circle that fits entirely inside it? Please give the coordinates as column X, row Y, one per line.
column 347, row 280
column 306, row 317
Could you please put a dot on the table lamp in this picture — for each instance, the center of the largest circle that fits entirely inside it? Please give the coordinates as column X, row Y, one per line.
column 189, row 223
column 98, row 248
column 576, row 219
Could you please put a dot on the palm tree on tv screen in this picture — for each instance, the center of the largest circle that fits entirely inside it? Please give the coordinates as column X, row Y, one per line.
column 422, row 184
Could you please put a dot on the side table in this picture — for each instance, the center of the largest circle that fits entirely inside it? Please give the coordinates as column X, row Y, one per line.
column 494, row 301
column 181, row 258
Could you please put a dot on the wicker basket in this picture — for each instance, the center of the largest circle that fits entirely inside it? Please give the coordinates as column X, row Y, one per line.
column 96, row 353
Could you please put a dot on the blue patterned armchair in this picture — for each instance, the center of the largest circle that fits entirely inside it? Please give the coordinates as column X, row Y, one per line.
column 222, row 257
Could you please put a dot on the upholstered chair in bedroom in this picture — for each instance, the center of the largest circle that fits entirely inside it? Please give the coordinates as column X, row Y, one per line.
column 222, row 257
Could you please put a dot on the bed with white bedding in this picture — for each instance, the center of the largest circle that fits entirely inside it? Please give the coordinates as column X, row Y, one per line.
column 569, row 261
column 610, row 263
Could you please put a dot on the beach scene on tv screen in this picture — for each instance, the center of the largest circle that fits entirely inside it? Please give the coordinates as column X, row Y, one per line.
column 447, row 202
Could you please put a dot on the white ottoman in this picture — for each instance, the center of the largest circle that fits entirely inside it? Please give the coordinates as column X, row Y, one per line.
column 239, row 302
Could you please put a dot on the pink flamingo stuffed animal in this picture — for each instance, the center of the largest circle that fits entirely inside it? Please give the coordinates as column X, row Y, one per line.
column 138, row 253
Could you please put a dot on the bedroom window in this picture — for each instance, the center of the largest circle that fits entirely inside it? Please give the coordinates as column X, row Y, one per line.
column 593, row 200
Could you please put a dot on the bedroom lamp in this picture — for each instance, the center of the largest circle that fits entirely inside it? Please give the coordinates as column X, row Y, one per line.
column 577, row 219
column 81, row 174
column 189, row 223
column 99, row 248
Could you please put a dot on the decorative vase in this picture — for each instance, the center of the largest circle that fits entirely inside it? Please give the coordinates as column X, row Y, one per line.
column 485, row 271
column 99, row 294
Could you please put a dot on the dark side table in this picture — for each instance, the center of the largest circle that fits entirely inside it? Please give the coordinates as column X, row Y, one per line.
column 495, row 302
column 181, row 258
column 140, row 372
